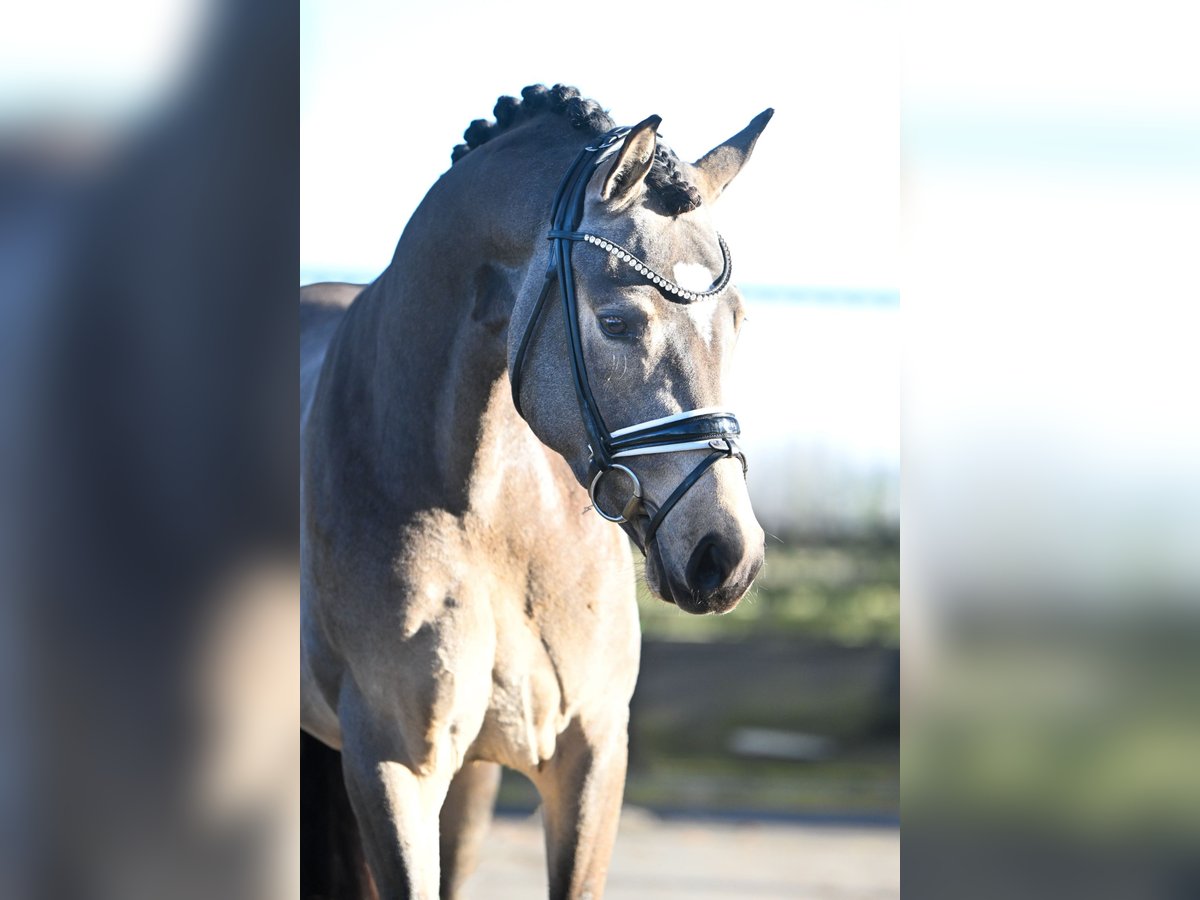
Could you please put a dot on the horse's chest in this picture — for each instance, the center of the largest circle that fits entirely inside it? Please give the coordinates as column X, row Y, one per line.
column 505, row 644
column 557, row 653
column 525, row 714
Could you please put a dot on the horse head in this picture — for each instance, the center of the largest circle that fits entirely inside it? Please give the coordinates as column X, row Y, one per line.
column 629, row 385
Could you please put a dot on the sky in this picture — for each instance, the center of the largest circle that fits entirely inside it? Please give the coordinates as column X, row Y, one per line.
column 387, row 90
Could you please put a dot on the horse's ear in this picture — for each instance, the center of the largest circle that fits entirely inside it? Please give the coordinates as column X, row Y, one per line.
column 716, row 168
column 633, row 162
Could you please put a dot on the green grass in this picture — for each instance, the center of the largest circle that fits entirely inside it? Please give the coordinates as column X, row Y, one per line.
column 846, row 593
column 861, row 786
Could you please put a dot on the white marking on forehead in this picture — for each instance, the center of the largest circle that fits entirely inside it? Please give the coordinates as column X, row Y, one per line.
column 693, row 276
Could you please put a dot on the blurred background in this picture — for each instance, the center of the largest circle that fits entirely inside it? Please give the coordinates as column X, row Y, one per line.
column 786, row 711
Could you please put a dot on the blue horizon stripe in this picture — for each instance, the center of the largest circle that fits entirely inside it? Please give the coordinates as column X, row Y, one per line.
column 780, row 293
column 758, row 293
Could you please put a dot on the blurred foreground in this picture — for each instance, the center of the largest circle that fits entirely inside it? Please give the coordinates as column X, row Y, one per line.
column 1051, row 561
column 148, row 433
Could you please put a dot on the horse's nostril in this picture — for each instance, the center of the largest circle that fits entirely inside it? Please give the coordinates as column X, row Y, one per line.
column 712, row 562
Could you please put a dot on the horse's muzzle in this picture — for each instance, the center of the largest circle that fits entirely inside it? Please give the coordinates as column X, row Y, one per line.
column 718, row 574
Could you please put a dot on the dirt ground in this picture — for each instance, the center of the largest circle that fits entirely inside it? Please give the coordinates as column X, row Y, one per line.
column 656, row 859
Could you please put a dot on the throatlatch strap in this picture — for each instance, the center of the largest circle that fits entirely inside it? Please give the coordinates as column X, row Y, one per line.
column 523, row 347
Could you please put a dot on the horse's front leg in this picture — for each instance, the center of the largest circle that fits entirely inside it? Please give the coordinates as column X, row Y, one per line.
column 396, row 799
column 466, row 815
column 581, row 788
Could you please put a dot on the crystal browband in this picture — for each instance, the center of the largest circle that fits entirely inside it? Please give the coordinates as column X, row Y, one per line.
column 656, row 278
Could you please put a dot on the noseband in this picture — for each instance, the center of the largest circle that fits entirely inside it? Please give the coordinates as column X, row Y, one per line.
column 709, row 429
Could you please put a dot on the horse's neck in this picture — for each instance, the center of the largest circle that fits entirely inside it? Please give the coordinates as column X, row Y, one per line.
column 426, row 357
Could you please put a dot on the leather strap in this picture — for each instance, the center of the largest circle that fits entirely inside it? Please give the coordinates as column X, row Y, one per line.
column 686, row 485
column 712, row 427
column 523, row 348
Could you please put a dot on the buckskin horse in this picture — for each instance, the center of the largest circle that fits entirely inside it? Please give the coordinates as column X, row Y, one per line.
column 550, row 337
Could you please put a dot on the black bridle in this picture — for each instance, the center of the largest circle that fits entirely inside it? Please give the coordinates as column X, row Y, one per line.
column 712, row 429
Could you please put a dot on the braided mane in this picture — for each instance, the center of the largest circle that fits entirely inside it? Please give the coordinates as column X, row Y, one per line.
column 668, row 185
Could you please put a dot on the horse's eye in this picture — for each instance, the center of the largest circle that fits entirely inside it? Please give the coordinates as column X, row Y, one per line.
column 612, row 325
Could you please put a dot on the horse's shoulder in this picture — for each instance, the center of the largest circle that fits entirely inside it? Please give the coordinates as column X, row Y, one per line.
column 322, row 305
column 328, row 296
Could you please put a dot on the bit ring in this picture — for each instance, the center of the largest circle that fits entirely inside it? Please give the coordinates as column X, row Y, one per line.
column 635, row 499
